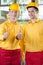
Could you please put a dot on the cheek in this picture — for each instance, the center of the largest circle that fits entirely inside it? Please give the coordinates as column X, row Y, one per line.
column 10, row 17
column 10, row 13
column 29, row 14
column 17, row 15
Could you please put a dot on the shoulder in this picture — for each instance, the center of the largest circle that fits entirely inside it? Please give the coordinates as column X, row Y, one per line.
column 3, row 25
column 41, row 22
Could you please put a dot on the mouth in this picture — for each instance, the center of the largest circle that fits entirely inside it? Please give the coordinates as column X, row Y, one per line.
column 13, row 17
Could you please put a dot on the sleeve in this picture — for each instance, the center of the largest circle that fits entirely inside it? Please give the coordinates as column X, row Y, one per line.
column 2, row 31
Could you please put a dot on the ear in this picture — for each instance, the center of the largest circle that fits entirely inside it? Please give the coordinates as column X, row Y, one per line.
column 37, row 11
column 8, row 15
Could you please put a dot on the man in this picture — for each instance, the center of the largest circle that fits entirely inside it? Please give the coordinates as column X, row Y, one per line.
column 10, row 35
column 33, row 36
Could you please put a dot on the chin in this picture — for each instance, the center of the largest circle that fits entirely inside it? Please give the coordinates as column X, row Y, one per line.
column 31, row 17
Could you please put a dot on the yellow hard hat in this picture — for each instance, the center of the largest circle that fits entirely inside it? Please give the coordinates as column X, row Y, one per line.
column 32, row 4
column 15, row 7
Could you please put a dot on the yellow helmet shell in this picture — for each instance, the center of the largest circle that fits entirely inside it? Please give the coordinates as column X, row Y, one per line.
column 14, row 7
column 32, row 4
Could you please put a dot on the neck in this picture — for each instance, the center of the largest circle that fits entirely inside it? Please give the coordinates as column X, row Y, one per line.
column 13, row 21
column 34, row 20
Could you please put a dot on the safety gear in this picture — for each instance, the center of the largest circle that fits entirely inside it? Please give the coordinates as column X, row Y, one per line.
column 15, row 7
column 32, row 4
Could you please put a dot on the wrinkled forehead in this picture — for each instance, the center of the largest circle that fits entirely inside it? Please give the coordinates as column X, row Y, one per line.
column 31, row 9
column 13, row 11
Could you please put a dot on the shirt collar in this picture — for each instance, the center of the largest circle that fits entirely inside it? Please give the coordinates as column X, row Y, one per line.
column 12, row 22
column 35, row 21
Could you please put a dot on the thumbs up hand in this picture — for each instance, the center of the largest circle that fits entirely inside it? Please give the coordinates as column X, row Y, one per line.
column 6, row 35
column 19, row 36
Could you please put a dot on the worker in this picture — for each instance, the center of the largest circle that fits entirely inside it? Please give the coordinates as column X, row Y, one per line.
column 33, row 36
column 10, row 35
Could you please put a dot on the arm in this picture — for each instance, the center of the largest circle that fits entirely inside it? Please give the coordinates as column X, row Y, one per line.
column 3, row 32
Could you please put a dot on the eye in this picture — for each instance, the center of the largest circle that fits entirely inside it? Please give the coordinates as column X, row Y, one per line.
column 28, row 11
column 15, row 11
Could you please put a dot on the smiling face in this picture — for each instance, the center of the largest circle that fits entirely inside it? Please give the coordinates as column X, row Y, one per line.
column 32, row 12
column 13, row 15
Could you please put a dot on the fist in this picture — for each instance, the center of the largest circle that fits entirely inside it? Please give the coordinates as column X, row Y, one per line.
column 19, row 36
column 5, row 35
